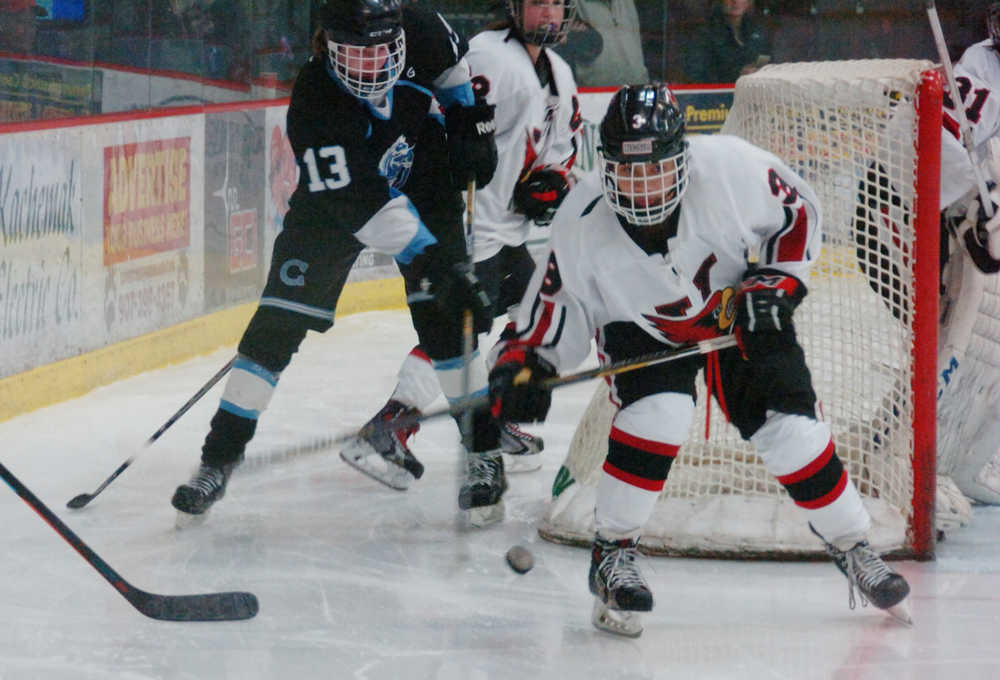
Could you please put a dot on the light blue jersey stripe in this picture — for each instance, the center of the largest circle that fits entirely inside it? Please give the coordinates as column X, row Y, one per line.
column 236, row 410
column 298, row 308
column 256, row 369
column 452, row 364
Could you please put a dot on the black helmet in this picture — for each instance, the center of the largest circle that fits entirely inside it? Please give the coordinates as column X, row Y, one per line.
column 644, row 155
column 993, row 23
column 550, row 34
column 351, row 26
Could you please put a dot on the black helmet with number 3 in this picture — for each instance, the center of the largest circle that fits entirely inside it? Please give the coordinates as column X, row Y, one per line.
column 643, row 153
column 366, row 44
column 546, row 32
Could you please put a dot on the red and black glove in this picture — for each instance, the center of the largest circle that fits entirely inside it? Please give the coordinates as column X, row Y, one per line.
column 539, row 194
column 764, row 312
column 516, row 391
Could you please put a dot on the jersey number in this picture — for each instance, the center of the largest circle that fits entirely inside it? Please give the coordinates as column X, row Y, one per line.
column 974, row 110
column 339, row 177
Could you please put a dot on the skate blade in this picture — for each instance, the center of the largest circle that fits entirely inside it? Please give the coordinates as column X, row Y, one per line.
column 185, row 520
column 485, row 515
column 384, row 472
column 616, row 621
column 521, row 462
column 901, row 612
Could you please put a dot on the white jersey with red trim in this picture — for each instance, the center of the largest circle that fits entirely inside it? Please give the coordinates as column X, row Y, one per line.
column 536, row 125
column 740, row 199
column 982, row 110
column 982, row 60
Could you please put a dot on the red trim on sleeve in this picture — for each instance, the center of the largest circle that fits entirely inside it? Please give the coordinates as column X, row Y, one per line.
column 792, row 245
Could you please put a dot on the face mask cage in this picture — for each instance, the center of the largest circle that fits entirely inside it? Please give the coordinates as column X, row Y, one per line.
column 549, row 34
column 645, row 192
column 368, row 71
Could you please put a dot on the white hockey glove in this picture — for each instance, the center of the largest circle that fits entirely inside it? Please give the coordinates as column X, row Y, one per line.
column 981, row 236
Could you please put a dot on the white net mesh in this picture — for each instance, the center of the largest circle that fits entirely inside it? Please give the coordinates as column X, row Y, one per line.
column 849, row 129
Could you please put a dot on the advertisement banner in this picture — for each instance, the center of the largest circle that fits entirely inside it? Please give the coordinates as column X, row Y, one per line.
column 32, row 90
column 149, row 224
column 41, row 249
column 235, row 268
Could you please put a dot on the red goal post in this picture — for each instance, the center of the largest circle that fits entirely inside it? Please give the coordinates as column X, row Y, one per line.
column 866, row 135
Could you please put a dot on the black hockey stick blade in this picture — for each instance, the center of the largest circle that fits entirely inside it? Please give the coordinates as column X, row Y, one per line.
column 232, row 606
column 77, row 502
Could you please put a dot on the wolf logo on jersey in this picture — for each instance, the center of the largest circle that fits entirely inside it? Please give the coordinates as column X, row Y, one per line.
column 396, row 162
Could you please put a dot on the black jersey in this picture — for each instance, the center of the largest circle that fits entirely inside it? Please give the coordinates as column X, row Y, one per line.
column 354, row 157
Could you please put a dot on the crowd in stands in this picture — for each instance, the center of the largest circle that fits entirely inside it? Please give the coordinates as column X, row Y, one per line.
column 243, row 42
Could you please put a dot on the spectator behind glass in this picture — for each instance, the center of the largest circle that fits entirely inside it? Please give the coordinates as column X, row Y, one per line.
column 729, row 45
column 218, row 23
column 612, row 56
column 17, row 25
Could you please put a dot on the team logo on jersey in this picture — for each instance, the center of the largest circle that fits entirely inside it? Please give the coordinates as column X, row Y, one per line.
column 715, row 318
column 396, row 162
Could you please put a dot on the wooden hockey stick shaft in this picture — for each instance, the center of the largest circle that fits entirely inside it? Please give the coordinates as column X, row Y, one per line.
column 79, row 501
column 468, row 326
column 965, row 130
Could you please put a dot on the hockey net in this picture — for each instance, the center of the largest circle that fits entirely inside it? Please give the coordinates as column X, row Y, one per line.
column 866, row 136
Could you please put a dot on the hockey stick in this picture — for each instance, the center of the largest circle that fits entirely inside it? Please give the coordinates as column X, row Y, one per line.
column 231, row 606
column 963, row 122
column 79, row 501
column 468, row 332
column 624, row 366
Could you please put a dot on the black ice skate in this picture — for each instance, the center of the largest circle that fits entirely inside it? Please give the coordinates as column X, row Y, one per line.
column 521, row 451
column 875, row 581
column 381, row 452
column 482, row 492
column 206, row 486
column 621, row 590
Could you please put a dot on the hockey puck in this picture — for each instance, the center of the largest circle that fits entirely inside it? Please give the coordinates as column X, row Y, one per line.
column 520, row 559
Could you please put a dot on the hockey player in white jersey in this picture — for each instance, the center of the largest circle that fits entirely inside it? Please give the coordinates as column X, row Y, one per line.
column 538, row 125
column 982, row 59
column 657, row 256
column 969, row 402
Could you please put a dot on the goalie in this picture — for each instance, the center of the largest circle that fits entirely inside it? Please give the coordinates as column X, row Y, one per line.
column 969, row 405
column 663, row 260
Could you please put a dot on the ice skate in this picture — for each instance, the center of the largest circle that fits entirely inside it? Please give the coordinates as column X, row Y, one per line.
column 194, row 499
column 874, row 580
column 621, row 591
column 381, row 452
column 521, row 451
column 481, row 495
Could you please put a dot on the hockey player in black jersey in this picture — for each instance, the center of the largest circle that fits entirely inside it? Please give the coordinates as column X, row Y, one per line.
column 359, row 126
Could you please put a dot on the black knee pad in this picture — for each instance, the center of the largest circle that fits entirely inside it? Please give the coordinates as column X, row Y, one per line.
column 272, row 337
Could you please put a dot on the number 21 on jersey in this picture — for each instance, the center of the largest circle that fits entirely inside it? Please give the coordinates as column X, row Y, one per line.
column 336, row 168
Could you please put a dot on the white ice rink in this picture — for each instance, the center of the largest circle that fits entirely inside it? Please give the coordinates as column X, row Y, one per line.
column 358, row 581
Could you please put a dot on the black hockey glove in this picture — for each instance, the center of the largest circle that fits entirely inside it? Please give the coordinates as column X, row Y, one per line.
column 472, row 150
column 539, row 194
column 516, row 393
column 976, row 234
column 764, row 312
column 454, row 286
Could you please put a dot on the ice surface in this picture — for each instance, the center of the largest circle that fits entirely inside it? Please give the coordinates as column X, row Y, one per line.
column 358, row 581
